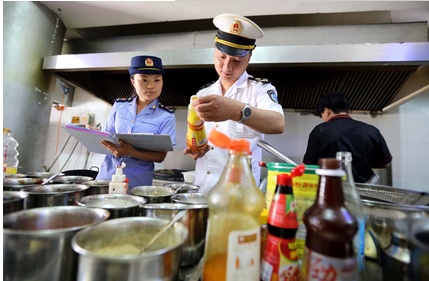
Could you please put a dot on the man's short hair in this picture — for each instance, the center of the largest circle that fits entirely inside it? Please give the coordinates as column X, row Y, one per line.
column 334, row 101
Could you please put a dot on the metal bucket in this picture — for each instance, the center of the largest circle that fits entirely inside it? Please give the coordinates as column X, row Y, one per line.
column 153, row 194
column 195, row 221
column 37, row 242
column 13, row 201
column 184, row 187
column 119, row 206
column 54, row 195
column 190, row 198
column 162, row 264
column 97, row 187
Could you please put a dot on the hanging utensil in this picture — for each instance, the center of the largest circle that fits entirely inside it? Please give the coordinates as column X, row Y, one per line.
column 177, row 217
column 50, row 178
column 275, row 152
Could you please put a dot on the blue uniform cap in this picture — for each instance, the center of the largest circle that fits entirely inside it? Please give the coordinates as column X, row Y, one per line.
column 146, row 65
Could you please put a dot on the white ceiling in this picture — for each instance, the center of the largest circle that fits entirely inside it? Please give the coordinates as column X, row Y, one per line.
column 82, row 14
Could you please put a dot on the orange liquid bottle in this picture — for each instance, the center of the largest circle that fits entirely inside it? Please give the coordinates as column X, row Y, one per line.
column 232, row 250
column 196, row 136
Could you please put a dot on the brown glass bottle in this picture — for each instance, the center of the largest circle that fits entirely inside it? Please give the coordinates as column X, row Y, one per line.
column 330, row 229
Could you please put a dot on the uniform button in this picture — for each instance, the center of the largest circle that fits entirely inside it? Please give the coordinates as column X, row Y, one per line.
column 212, row 148
column 208, row 172
column 132, row 121
column 217, row 126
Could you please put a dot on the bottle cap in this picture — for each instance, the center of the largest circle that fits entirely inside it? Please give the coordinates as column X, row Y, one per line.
column 223, row 141
column 329, row 163
column 284, row 179
column 6, row 131
column 264, row 216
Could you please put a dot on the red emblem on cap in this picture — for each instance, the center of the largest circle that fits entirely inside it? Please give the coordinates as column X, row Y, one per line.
column 148, row 62
column 235, row 27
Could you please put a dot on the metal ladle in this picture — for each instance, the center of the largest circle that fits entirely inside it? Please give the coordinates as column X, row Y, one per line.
column 177, row 217
column 51, row 178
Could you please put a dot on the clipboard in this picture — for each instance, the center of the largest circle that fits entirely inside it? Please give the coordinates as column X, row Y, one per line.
column 91, row 140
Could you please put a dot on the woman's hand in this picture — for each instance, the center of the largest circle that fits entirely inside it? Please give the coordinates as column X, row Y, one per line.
column 91, row 127
column 126, row 149
column 196, row 154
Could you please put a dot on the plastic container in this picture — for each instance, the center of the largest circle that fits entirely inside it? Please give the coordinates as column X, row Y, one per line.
column 10, row 153
column 119, row 183
column 354, row 204
column 189, row 176
column 233, row 246
column 196, row 136
column 304, row 190
column 264, row 229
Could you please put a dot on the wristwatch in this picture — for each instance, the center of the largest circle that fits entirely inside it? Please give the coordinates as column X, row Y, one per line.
column 245, row 113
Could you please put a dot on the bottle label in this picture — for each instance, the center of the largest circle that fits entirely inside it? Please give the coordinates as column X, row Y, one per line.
column 317, row 267
column 280, row 260
column 243, row 255
column 196, row 139
column 283, row 212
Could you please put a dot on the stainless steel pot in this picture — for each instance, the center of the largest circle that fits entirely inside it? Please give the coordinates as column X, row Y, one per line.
column 190, row 198
column 162, row 264
column 119, row 206
column 15, row 176
column 37, row 242
column 71, row 179
column 13, row 201
column 43, row 175
column 97, row 187
column 420, row 252
column 22, row 181
column 8, row 187
column 195, row 221
column 54, row 194
column 184, row 187
column 153, row 194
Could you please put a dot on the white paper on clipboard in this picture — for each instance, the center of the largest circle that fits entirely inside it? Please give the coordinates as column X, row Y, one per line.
column 150, row 142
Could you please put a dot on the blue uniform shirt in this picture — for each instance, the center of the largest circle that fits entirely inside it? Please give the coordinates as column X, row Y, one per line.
column 154, row 118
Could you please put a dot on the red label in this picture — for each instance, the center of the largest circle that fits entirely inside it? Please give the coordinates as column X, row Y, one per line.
column 283, row 211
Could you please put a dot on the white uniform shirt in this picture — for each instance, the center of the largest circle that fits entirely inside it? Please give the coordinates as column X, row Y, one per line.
column 257, row 94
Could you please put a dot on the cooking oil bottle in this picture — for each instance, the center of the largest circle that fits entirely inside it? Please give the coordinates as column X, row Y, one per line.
column 196, row 136
column 232, row 250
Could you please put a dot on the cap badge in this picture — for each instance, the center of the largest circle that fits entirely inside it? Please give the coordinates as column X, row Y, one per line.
column 235, row 27
column 148, row 62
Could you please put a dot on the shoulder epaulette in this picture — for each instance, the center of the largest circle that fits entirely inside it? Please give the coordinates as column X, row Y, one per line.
column 262, row 80
column 170, row 110
column 123, row 99
column 206, row 85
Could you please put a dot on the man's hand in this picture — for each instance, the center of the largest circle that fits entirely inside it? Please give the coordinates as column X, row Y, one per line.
column 217, row 108
column 126, row 149
column 196, row 154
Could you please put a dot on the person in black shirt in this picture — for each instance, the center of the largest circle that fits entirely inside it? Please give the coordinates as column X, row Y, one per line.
column 340, row 132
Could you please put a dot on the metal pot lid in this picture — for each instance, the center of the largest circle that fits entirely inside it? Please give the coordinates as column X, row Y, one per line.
column 97, row 183
column 22, row 181
column 43, row 175
column 152, row 191
column 71, row 179
column 55, row 188
column 168, row 175
column 190, row 198
column 111, row 201
column 174, row 206
column 12, row 196
column 15, row 176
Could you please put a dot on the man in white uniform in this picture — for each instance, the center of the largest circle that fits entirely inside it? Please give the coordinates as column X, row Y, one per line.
column 237, row 104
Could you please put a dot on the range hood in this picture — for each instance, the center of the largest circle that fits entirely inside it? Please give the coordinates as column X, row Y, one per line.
column 371, row 75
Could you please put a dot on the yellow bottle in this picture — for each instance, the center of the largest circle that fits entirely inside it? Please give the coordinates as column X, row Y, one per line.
column 232, row 250
column 196, row 137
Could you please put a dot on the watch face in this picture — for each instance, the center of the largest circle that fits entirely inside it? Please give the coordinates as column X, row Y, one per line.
column 246, row 113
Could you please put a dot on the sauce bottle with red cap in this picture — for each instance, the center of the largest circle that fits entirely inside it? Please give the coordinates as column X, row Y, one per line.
column 232, row 250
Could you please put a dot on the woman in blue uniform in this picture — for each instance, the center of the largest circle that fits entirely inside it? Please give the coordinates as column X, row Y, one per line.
column 141, row 113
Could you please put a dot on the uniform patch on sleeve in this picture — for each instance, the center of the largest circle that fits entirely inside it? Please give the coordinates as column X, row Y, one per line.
column 170, row 110
column 273, row 96
column 261, row 80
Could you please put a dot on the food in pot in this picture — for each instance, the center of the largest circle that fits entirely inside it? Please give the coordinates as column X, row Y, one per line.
column 153, row 191
column 370, row 249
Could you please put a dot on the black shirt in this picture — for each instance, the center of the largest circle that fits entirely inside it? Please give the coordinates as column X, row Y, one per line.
column 342, row 133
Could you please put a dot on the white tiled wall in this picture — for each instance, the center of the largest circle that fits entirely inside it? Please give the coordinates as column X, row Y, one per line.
column 406, row 130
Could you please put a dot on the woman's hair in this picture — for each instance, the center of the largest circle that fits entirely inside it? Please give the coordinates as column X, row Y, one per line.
column 334, row 101
column 134, row 93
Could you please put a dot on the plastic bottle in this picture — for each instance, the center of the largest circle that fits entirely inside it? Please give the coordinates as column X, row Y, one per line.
column 329, row 253
column 196, row 136
column 10, row 153
column 119, row 183
column 232, row 250
column 280, row 259
column 264, row 229
column 354, row 204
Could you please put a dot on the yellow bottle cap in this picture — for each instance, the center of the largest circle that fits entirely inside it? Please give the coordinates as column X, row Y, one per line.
column 264, row 216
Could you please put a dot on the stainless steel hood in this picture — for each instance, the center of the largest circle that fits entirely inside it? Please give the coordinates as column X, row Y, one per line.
column 371, row 75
